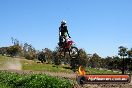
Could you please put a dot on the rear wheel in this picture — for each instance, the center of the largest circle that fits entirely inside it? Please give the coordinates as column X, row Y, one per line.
column 73, row 52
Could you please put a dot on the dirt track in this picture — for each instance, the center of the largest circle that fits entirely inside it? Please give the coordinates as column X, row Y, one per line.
column 72, row 76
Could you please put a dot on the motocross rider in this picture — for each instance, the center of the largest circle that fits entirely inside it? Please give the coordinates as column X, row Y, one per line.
column 63, row 32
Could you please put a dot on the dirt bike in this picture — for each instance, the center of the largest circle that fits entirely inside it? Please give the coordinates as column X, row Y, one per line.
column 69, row 47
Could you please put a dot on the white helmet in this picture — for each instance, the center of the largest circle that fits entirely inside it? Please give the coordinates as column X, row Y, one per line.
column 63, row 22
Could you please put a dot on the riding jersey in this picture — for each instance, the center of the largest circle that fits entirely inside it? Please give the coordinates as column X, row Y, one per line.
column 63, row 30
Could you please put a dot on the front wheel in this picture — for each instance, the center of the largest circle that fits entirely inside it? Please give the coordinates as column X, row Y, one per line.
column 73, row 52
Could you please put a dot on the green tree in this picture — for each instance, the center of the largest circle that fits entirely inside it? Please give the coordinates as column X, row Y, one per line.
column 129, row 53
column 123, row 54
column 41, row 56
column 3, row 50
column 14, row 50
column 109, row 62
column 129, row 59
column 29, row 51
column 83, row 58
column 103, row 63
column 56, row 56
column 116, row 62
column 95, row 61
column 48, row 55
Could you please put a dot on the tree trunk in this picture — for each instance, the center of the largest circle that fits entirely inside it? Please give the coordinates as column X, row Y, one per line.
column 123, row 66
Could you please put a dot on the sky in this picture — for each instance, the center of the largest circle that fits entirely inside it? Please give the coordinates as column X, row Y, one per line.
column 97, row 26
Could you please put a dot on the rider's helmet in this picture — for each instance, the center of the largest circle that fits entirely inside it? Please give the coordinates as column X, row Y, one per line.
column 63, row 22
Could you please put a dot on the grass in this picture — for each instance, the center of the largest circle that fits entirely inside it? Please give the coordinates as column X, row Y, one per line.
column 3, row 60
column 97, row 71
column 33, row 65
column 43, row 67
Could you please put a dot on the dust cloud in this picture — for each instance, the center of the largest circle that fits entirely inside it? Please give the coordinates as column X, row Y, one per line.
column 11, row 64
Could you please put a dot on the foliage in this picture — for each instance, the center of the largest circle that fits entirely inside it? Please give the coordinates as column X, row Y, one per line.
column 41, row 56
column 46, row 55
column 126, row 56
column 83, row 57
column 3, row 50
column 14, row 50
column 29, row 52
column 95, row 61
column 14, row 80
column 29, row 56
column 56, row 56
column 122, row 51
